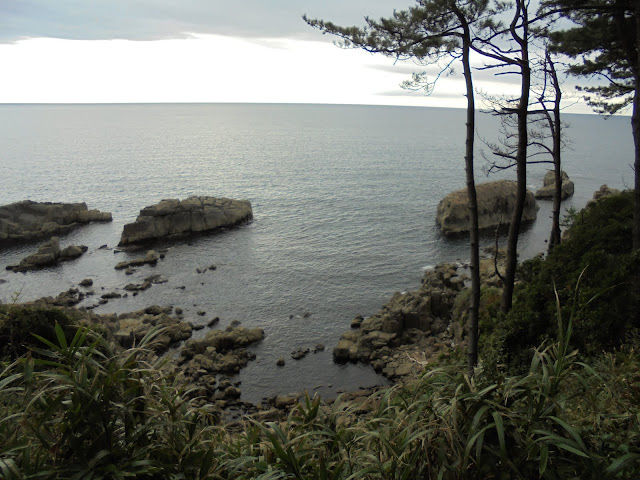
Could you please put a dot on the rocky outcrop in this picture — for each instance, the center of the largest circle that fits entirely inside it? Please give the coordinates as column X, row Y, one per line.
column 221, row 351
column 206, row 362
column 176, row 217
column 605, row 191
column 151, row 258
column 132, row 327
column 47, row 255
column 68, row 298
column 408, row 318
column 27, row 220
column 417, row 328
column 549, row 186
column 496, row 201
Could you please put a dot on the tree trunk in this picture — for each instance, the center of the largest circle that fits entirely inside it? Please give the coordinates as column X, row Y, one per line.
column 555, row 238
column 635, row 126
column 474, row 305
column 521, row 163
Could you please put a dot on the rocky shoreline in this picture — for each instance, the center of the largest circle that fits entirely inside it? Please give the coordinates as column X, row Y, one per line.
column 411, row 331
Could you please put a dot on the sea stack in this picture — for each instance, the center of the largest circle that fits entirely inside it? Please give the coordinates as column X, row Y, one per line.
column 549, row 186
column 178, row 217
column 496, row 201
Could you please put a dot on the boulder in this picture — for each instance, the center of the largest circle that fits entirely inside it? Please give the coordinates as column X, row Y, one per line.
column 220, row 351
column 549, row 186
column 223, row 341
column 28, row 221
column 133, row 326
column 299, row 353
column 47, row 255
column 175, row 217
column 495, row 207
column 151, row 258
column 605, row 191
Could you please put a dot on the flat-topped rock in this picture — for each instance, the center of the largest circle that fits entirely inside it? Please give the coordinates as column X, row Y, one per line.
column 27, row 220
column 549, row 186
column 192, row 215
column 496, row 201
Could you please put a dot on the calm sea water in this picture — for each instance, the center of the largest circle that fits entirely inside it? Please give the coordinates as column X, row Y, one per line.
column 344, row 200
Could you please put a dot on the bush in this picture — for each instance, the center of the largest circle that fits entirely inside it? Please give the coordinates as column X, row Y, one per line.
column 19, row 324
column 599, row 244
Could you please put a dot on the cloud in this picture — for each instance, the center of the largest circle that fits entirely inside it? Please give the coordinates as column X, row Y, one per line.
column 168, row 19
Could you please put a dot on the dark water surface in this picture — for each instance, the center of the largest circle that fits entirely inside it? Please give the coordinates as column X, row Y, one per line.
column 344, row 200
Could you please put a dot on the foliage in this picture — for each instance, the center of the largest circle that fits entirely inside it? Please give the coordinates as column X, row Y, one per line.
column 598, row 243
column 83, row 410
column 18, row 324
column 604, row 41
column 86, row 412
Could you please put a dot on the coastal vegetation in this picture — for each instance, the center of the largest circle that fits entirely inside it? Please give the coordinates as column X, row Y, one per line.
column 509, row 36
column 555, row 395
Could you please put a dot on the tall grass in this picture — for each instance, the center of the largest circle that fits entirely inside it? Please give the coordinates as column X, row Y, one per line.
column 83, row 410
column 77, row 408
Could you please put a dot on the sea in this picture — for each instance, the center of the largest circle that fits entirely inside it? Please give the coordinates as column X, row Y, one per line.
column 344, row 201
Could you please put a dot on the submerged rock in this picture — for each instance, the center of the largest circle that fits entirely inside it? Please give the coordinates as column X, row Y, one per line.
column 27, row 220
column 175, row 217
column 549, row 186
column 151, row 258
column 496, row 201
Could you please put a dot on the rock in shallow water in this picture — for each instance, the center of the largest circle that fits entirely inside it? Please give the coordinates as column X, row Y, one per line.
column 193, row 215
column 549, row 186
column 27, row 220
column 47, row 255
column 496, row 201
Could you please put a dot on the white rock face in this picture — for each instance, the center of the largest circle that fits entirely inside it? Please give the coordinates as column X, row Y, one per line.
column 195, row 214
column 496, row 201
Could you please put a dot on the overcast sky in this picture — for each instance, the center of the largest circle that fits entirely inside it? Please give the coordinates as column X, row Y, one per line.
column 94, row 51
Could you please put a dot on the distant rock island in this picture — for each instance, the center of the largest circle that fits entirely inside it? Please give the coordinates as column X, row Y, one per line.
column 28, row 220
column 496, row 201
column 193, row 215
column 549, row 186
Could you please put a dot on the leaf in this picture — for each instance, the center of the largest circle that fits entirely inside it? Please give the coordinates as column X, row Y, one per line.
column 544, row 458
column 571, row 431
column 62, row 340
column 620, row 463
column 500, row 431
column 206, row 463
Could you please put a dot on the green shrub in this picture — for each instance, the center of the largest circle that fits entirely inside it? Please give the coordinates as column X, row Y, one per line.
column 599, row 244
column 19, row 323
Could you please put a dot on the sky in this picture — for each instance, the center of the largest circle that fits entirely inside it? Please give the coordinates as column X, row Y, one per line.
column 138, row 51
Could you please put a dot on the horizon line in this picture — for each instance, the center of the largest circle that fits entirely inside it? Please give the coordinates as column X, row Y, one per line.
column 479, row 110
